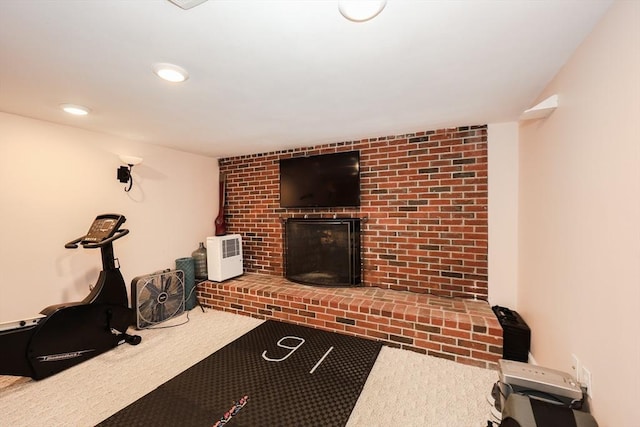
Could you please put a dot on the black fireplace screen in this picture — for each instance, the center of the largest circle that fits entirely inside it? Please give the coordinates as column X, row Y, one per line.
column 323, row 252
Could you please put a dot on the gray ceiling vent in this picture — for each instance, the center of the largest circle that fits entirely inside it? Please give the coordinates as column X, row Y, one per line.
column 187, row 4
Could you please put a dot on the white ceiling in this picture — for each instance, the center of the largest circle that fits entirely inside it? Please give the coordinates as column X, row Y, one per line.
column 270, row 75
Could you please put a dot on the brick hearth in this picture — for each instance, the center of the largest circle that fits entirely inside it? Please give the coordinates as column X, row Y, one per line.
column 462, row 330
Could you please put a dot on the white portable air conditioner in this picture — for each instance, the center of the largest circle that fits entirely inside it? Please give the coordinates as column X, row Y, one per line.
column 224, row 257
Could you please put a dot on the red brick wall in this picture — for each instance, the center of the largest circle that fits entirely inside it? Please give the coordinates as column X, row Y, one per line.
column 424, row 196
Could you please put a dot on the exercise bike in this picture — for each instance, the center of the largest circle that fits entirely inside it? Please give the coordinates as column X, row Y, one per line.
column 64, row 335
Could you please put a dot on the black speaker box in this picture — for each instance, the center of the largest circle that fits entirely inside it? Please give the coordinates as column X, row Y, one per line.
column 516, row 334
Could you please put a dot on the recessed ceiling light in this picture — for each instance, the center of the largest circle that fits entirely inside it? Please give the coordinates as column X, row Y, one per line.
column 361, row 10
column 76, row 110
column 170, row 72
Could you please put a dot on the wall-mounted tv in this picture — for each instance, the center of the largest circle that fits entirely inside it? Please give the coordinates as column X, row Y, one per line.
column 326, row 180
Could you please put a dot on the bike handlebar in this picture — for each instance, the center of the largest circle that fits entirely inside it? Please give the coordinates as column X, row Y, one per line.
column 87, row 245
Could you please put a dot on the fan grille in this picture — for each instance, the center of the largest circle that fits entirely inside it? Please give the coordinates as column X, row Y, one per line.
column 159, row 297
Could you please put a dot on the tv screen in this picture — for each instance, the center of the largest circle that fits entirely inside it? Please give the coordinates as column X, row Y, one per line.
column 326, row 180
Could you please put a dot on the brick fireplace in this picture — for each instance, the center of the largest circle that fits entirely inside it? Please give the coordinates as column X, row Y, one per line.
column 424, row 196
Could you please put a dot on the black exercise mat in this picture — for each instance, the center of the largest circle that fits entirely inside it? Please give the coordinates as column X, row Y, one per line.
column 310, row 383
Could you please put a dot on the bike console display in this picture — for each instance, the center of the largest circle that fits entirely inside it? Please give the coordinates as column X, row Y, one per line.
column 103, row 227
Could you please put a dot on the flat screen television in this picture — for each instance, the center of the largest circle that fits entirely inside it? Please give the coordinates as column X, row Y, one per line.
column 326, row 180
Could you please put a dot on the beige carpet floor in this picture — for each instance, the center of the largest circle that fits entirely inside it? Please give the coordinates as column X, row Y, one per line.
column 403, row 389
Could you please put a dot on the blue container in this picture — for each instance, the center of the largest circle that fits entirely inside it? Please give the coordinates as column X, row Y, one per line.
column 187, row 265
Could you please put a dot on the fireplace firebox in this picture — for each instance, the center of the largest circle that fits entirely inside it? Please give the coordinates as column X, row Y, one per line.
column 323, row 252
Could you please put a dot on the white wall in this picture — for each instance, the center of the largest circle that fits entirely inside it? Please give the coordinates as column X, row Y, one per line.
column 579, row 227
column 54, row 180
column 503, row 213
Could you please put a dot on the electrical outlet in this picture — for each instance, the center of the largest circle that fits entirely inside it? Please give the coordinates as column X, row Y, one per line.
column 576, row 367
column 585, row 379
